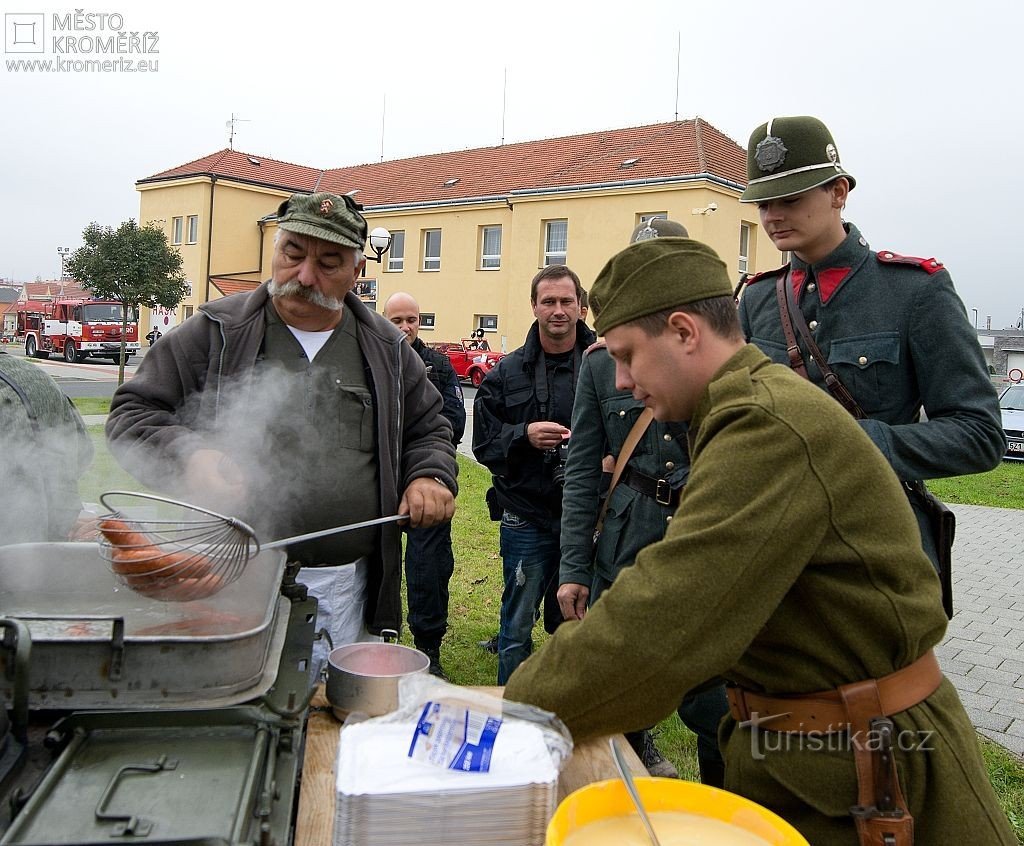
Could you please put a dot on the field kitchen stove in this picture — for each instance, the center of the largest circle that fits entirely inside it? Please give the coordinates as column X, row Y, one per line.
column 131, row 721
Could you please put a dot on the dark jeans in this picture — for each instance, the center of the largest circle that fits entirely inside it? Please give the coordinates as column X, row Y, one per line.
column 529, row 558
column 700, row 712
column 429, row 565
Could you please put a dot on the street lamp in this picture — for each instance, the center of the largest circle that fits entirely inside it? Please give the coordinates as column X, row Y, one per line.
column 63, row 252
column 380, row 243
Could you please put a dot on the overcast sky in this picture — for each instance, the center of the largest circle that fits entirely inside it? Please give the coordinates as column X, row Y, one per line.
column 921, row 97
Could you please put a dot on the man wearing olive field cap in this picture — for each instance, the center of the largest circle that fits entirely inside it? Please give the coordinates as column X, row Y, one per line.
column 762, row 580
column 287, row 406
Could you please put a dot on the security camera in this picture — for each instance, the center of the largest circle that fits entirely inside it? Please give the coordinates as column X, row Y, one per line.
column 712, row 207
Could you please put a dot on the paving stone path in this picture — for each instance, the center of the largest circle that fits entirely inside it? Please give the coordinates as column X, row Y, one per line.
column 983, row 652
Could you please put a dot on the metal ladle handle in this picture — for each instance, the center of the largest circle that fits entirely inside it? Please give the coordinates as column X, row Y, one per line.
column 627, row 779
column 337, row 530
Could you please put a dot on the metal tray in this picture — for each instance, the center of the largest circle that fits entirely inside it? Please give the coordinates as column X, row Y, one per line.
column 97, row 644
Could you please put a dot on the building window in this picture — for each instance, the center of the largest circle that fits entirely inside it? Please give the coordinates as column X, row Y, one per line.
column 556, row 237
column 647, row 218
column 744, row 247
column 193, row 229
column 490, row 248
column 487, row 322
column 176, row 227
column 186, row 312
column 396, row 255
column 426, row 320
column 431, row 249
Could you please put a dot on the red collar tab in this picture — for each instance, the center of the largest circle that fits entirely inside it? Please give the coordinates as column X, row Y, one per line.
column 764, row 274
column 796, row 279
column 829, row 279
column 929, row 265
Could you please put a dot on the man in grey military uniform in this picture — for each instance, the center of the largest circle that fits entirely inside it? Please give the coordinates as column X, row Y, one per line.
column 891, row 327
column 639, row 510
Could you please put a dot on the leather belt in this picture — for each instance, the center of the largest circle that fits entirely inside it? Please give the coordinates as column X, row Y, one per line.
column 657, row 489
column 826, row 711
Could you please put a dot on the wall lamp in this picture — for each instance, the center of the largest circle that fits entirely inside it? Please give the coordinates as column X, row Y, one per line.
column 380, row 243
column 711, row 207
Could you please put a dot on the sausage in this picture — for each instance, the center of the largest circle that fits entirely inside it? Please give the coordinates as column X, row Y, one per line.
column 155, row 572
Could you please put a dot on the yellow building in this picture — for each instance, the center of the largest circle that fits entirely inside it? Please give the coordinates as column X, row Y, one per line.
column 470, row 228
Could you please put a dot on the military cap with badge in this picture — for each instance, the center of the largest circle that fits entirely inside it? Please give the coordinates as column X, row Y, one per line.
column 790, row 155
column 329, row 217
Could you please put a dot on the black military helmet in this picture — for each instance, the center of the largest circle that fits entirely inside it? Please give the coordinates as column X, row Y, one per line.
column 790, row 155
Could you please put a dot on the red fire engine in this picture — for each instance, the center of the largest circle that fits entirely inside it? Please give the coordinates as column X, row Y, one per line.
column 76, row 327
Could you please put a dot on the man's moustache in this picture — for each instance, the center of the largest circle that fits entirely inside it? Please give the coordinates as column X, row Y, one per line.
column 292, row 288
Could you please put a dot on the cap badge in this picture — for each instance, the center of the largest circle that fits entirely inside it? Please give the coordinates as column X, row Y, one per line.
column 326, row 207
column 646, row 234
column 832, row 153
column 770, row 153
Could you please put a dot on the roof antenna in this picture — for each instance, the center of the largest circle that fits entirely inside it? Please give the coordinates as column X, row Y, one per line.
column 383, row 111
column 679, row 51
column 504, row 99
column 231, row 126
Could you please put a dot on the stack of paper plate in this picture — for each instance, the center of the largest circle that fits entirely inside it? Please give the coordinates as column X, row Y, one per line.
column 385, row 797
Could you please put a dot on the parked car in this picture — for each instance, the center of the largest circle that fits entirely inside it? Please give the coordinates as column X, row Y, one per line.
column 1011, row 403
column 472, row 358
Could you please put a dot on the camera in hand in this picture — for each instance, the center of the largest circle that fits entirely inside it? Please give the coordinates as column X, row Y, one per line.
column 558, row 456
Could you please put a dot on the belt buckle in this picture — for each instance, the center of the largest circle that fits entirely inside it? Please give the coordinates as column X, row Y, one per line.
column 662, row 492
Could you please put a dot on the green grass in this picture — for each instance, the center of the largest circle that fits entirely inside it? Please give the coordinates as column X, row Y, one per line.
column 92, row 405
column 476, row 599
column 999, row 488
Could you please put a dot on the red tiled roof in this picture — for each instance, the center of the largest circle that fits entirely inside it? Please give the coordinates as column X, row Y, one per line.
column 232, row 286
column 247, row 168
column 680, row 149
column 53, row 288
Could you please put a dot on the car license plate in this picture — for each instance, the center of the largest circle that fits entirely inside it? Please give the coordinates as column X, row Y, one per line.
column 1016, row 446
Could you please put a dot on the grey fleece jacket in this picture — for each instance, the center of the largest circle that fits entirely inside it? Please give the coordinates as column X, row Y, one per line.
column 157, row 418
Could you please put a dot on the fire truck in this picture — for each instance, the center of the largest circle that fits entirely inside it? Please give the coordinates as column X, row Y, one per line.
column 76, row 327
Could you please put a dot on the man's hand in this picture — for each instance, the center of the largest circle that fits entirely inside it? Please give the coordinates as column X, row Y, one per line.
column 572, row 599
column 546, row 435
column 214, row 480
column 427, row 502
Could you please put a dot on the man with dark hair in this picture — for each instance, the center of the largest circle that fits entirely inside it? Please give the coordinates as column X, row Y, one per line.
column 891, row 328
column 429, row 561
column 521, row 421
column 793, row 569
column 304, row 410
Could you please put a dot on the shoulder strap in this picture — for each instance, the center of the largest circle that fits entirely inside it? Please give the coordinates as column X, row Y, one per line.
column 791, row 315
column 632, row 439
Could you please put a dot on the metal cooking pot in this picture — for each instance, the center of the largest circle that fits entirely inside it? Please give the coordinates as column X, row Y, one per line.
column 364, row 676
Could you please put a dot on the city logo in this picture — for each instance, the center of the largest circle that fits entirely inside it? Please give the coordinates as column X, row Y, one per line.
column 23, row 32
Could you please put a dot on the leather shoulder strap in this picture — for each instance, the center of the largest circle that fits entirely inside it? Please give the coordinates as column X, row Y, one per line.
column 790, row 309
column 632, row 439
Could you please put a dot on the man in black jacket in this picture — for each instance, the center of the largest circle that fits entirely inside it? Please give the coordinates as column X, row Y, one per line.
column 429, row 561
column 521, row 421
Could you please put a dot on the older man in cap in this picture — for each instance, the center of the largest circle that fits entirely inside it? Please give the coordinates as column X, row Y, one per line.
column 793, row 568
column 623, row 479
column 290, row 405
column 892, row 336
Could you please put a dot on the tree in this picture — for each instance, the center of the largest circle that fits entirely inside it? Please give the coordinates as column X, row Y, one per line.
column 131, row 264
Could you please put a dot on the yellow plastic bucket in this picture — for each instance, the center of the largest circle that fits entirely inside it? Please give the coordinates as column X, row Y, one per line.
column 604, row 799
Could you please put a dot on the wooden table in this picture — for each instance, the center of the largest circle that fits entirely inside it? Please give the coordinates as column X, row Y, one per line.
column 314, row 826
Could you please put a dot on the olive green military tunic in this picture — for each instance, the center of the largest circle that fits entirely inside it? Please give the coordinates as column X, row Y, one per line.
column 793, row 565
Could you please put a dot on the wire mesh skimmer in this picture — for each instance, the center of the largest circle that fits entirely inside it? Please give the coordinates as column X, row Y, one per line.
column 190, row 555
